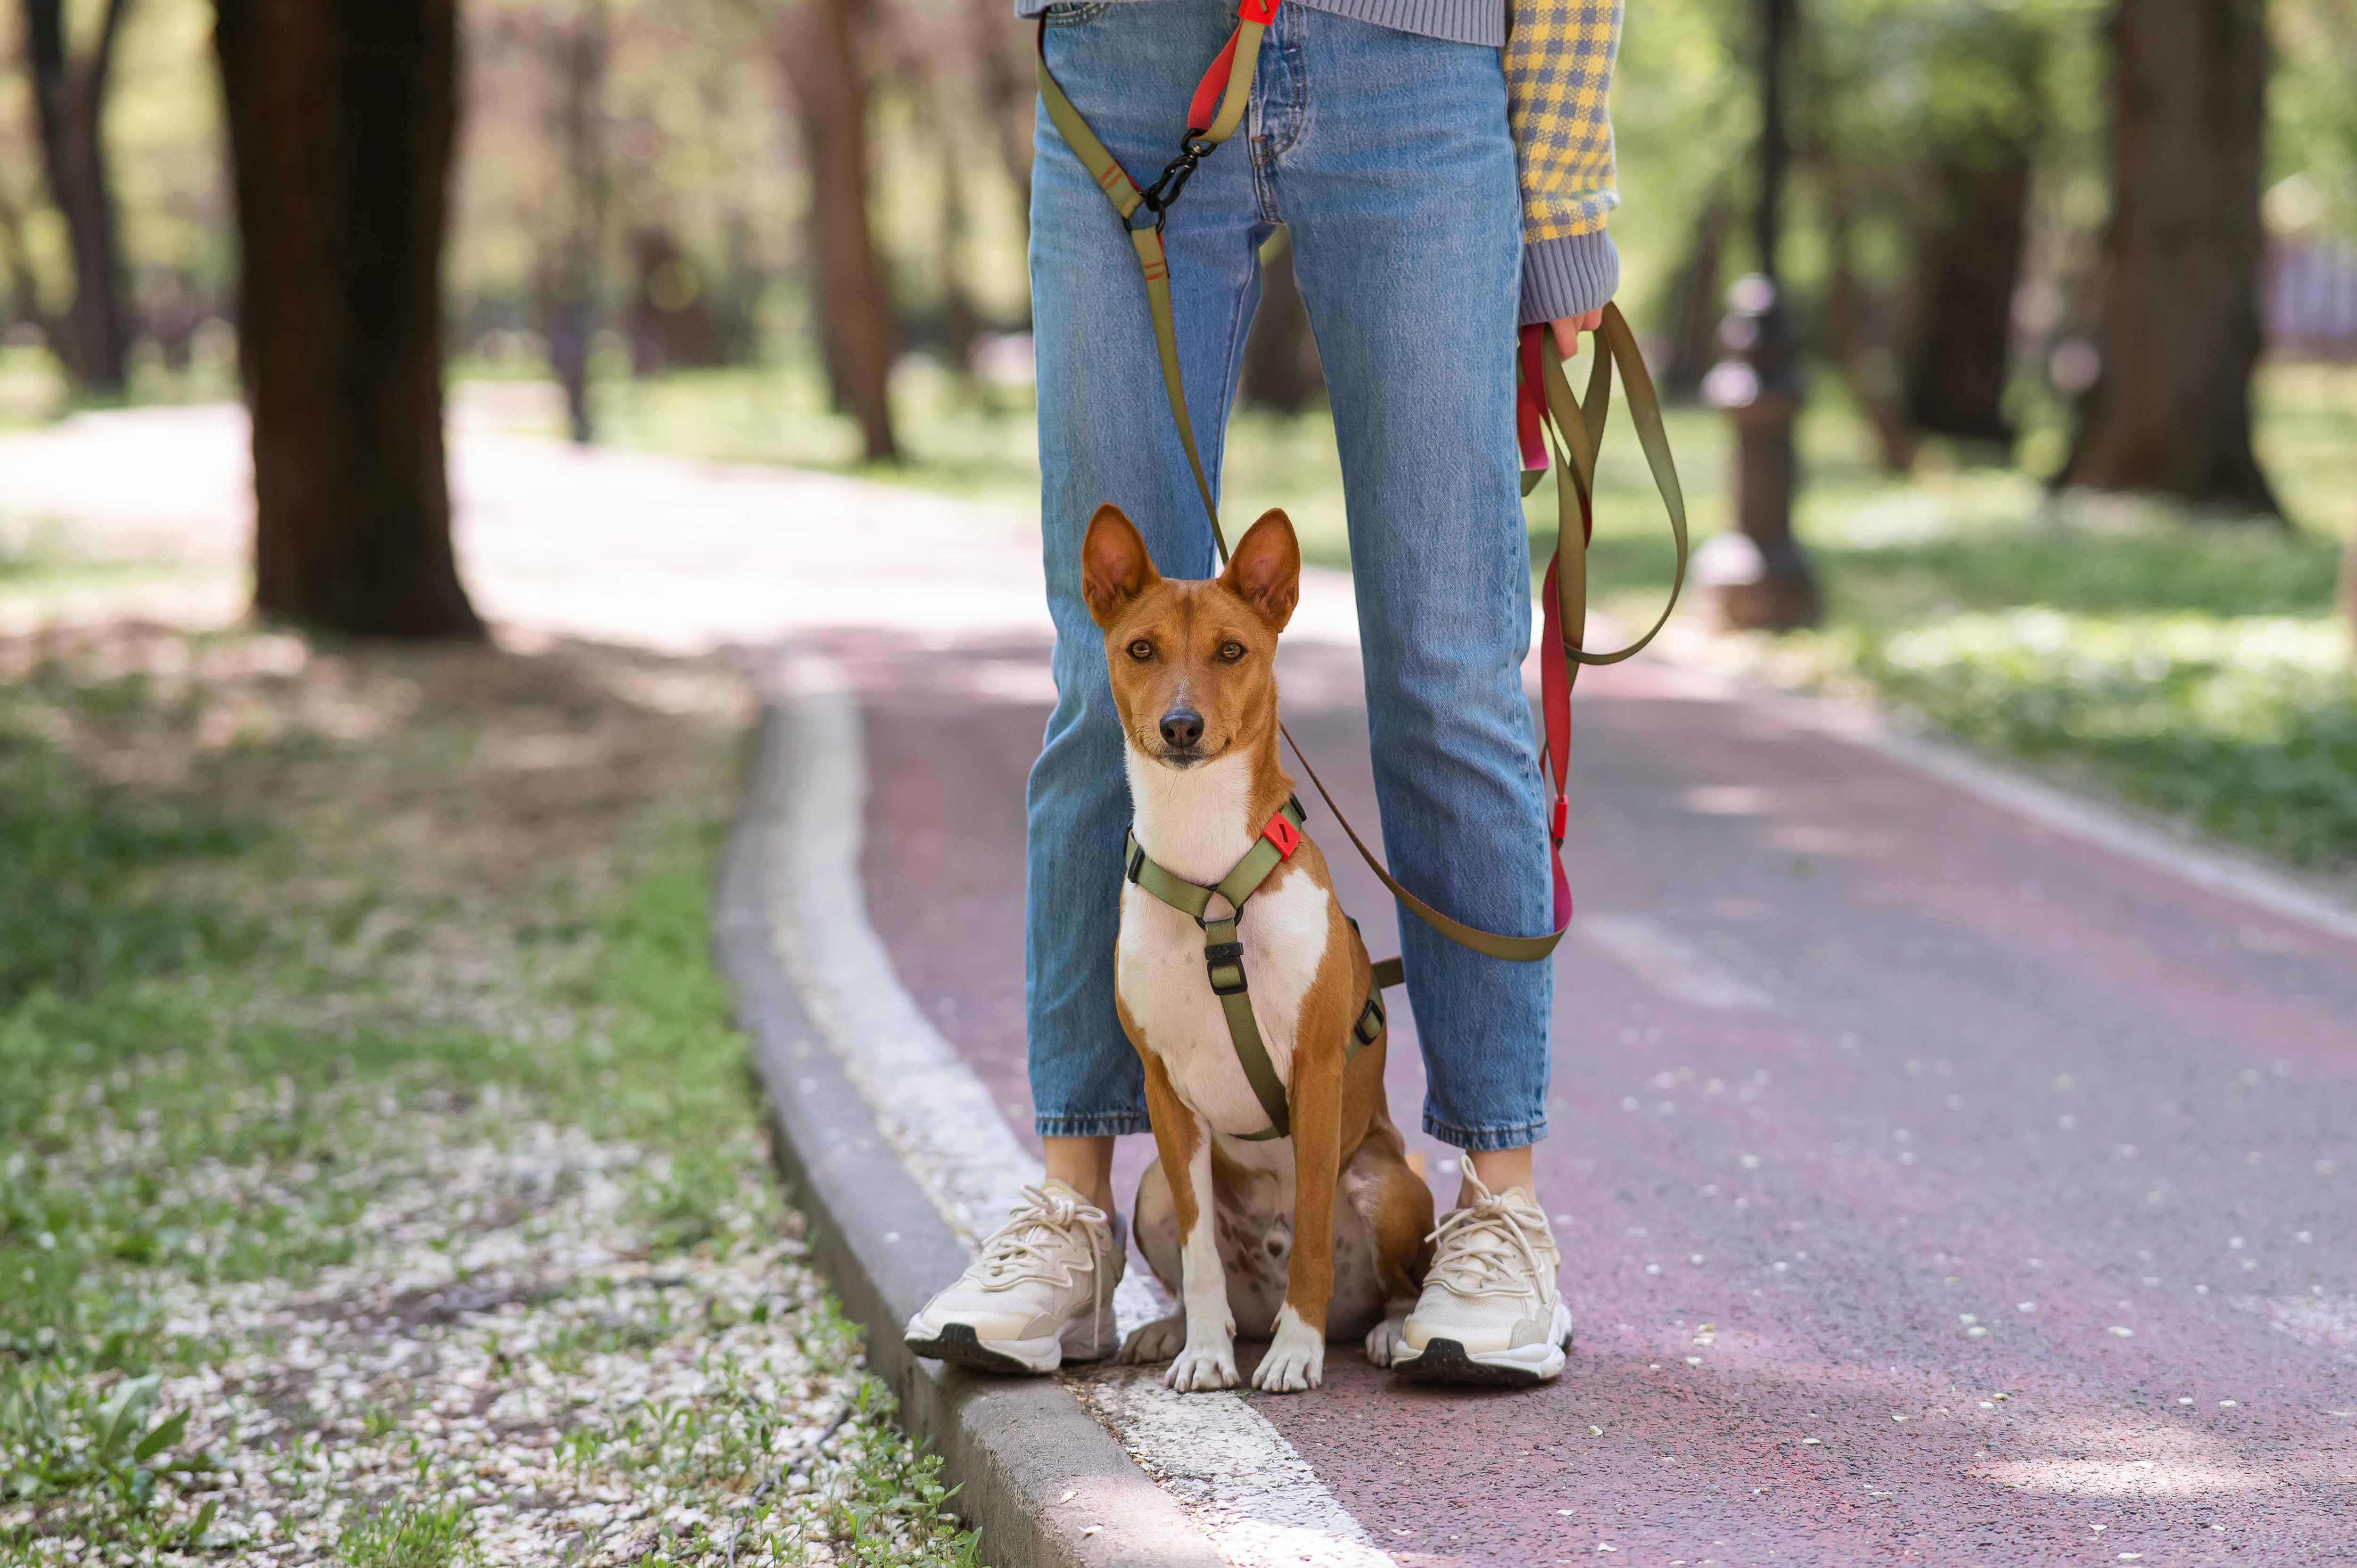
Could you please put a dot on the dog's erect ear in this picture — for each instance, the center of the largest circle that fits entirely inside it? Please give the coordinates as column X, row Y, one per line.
column 1115, row 566
column 1265, row 569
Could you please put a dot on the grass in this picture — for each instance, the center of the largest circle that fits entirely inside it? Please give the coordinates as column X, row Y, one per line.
column 372, row 1126
column 2191, row 666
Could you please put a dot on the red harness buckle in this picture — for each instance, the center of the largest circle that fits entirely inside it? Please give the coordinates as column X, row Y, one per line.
column 1283, row 834
column 1561, row 820
column 1261, row 11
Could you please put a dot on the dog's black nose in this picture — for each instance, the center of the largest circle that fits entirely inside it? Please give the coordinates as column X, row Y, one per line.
column 1182, row 728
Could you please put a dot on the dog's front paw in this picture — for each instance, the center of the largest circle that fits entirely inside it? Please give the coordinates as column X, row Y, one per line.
column 1201, row 1369
column 1384, row 1339
column 1157, row 1341
column 1296, row 1359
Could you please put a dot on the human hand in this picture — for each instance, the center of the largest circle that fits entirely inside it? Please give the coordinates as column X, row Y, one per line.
column 1568, row 328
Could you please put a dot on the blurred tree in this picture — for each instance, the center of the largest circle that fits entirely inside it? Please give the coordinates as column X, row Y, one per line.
column 1967, row 261
column 573, row 241
column 1002, row 59
column 1856, row 332
column 1985, row 121
column 1691, row 310
column 1763, row 580
column 69, row 105
column 828, row 81
column 675, row 319
column 24, row 280
column 2171, row 411
column 2312, row 117
column 1922, row 132
column 341, row 116
column 1281, row 370
column 939, row 121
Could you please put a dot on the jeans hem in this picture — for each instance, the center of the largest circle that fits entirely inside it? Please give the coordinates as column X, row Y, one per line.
column 1486, row 1139
column 1113, row 1124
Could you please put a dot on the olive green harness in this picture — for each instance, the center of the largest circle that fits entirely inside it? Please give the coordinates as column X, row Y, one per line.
column 1223, row 955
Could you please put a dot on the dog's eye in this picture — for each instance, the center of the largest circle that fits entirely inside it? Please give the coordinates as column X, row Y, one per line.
column 1141, row 650
column 1232, row 651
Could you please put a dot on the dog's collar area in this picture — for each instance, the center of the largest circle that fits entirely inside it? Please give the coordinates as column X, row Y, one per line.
column 1224, row 953
column 1279, row 837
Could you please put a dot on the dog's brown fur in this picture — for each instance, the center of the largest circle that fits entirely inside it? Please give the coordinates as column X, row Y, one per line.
column 1210, row 646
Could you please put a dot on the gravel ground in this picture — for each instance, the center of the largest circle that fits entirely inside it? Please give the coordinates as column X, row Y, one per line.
column 405, row 1202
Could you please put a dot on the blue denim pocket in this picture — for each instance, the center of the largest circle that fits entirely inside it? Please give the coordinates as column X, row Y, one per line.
column 1073, row 12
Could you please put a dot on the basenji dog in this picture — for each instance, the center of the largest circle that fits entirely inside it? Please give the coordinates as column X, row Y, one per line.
column 1296, row 1237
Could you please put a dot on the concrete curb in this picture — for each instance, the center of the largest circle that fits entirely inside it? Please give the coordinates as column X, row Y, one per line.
column 1014, row 1447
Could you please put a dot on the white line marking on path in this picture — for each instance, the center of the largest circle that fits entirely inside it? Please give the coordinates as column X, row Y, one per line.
column 1238, row 1480
column 1671, row 964
column 932, row 1109
column 1256, row 1498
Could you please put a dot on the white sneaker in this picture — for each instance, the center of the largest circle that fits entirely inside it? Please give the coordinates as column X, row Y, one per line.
column 1040, row 1294
column 1490, row 1313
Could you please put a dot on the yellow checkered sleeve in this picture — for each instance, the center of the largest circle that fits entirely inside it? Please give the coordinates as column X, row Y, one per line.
column 1559, row 57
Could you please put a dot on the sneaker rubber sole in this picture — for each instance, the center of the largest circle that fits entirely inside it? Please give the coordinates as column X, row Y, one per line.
column 958, row 1342
column 1447, row 1361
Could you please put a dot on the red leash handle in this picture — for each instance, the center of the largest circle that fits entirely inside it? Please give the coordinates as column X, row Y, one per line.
column 1530, row 402
column 1214, row 85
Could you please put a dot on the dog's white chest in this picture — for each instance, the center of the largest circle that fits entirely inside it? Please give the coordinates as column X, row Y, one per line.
column 1160, row 974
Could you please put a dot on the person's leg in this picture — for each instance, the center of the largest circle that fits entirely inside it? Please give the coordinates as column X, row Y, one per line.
column 1039, row 1293
column 1084, row 1165
column 1400, row 189
column 1105, row 435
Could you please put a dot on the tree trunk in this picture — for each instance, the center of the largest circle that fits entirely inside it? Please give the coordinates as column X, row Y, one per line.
column 69, row 104
column 2171, row 412
column 1967, row 263
column 853, row 310
column 341, row 114
column 1967, row 238
column 1281, row 370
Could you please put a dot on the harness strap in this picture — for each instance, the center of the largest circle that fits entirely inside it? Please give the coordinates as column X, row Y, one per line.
column 1223, row 955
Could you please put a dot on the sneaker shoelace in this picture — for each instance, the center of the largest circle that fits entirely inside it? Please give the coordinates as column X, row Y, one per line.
column 1485, row 1248
column 1035, row 1244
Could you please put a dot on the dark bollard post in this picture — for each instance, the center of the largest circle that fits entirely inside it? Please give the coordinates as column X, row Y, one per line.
column 1759, row 576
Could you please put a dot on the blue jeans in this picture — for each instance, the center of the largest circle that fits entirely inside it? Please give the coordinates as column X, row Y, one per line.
column 1387, row 157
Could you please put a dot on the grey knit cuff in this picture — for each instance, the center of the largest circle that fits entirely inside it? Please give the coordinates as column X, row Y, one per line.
column 1569, row 276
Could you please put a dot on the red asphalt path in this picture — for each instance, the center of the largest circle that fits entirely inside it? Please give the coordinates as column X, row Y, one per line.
column 2014, row 1174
